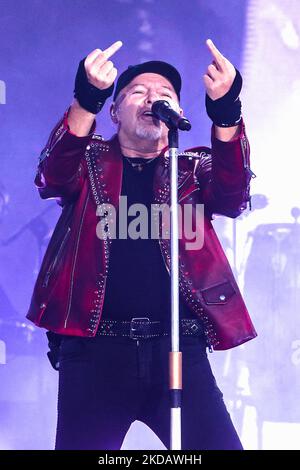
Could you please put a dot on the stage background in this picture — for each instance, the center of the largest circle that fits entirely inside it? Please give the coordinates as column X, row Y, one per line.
column 41, row 43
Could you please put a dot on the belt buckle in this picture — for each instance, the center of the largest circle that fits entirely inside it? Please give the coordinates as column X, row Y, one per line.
column 132, row 329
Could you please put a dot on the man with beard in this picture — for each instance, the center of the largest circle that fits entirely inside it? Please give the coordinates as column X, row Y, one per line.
column 105, row 296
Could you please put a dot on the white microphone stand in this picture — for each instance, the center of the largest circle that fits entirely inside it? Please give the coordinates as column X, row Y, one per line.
column 162, row 110
column 175, row 356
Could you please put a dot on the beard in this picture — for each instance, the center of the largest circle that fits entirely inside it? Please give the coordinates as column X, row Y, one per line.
column 148, row 131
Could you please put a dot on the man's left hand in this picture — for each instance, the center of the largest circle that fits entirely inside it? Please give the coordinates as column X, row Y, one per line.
column 220, row 73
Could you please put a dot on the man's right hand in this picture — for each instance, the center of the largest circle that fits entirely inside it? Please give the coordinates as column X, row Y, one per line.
column 100, row 71
column 94, row 83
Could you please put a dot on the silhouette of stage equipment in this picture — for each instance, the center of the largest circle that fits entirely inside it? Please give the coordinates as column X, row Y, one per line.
column 272, row 294
column 19, row 335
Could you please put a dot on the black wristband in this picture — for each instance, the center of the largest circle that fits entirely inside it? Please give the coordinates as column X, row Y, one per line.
column 226, row 111
column 89, row 97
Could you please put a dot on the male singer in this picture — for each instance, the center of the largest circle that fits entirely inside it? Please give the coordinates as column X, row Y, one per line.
column 103, row 291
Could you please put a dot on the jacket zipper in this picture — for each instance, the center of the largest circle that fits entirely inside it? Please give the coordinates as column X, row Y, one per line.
column 74, row 263
column 45, row 153
column 182, row 183
column 167, row 268
column 246, row 167
column 182, row 199
column 246, row 163
column 54, row 262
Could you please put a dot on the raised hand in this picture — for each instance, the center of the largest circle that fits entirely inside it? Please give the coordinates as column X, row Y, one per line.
column 100, row 71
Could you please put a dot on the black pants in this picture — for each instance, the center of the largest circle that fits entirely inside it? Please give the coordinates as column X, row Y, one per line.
column 106, row 383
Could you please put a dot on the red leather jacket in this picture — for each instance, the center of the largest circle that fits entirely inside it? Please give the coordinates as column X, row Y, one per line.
column 83, row 172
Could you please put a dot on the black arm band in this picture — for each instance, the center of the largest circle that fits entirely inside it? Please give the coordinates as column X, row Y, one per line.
column 226, row 111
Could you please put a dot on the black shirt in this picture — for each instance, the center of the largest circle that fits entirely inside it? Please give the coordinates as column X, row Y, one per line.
column 138, row 284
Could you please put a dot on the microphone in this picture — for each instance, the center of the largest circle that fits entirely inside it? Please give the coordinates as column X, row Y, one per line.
column 162, row 110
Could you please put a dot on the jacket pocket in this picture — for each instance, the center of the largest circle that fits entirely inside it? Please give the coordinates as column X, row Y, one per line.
column 219, row 294
column 56, row 259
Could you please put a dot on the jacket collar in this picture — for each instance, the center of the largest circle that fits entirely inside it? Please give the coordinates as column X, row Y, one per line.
column 111, row 163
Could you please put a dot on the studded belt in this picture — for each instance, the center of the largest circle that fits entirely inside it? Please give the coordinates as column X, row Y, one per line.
column 143, row 328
